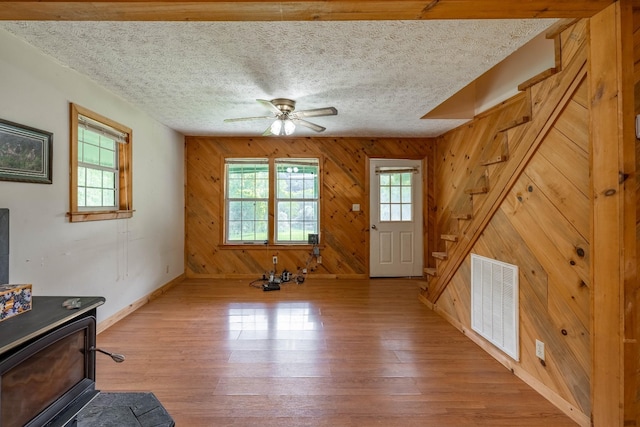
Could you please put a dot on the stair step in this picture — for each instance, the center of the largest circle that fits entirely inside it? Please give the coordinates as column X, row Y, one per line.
column 449, row 237
column 461, row 216
column 537, row 78
column 431, row 271
column 498, row 159
column 439, row 255
column 477, row 190
column 556, row 29
column 514, row 123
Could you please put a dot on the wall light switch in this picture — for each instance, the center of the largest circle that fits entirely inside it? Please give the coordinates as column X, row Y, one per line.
column 355, row 207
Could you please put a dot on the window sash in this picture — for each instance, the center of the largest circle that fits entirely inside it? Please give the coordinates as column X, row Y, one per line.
column 98, row 170
column 249, row 226
column 297, row 229
column 297, row 204
column 90, row 190
column 247, row 215
column 88, row 129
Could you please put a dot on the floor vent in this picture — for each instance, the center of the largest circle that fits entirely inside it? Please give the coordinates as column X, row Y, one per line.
column 494, row 303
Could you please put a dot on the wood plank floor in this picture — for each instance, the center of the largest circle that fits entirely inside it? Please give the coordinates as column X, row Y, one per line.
column 323, row 353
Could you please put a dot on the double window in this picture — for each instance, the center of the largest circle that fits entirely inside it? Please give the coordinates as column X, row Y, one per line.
column 290, row 188
column 100, row 167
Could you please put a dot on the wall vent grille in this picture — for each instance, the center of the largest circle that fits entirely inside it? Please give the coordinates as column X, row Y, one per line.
column 494, row 303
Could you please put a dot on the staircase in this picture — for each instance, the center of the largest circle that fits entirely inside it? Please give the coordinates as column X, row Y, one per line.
column 503, row 158
column 478, row 186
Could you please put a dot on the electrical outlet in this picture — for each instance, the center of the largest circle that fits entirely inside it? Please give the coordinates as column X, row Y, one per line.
column 304, row 271
column 275, row 259
column 319, row 259
column 540, row 349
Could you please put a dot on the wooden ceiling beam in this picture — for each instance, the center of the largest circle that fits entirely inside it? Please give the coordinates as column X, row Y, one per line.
column 300, row 10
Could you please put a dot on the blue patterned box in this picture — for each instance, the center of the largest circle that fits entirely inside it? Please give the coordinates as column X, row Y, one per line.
column 14, row 299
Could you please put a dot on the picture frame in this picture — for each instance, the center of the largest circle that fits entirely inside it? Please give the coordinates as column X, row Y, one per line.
column 25, row 153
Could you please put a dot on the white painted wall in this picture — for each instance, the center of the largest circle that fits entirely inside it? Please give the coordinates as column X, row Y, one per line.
column 122, row 260
column 501, row 82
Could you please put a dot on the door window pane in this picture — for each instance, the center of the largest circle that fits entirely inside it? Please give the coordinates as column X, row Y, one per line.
column 395, row 196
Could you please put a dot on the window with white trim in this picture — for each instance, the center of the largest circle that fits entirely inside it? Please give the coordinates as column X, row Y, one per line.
column 271, row 200
column 100, row 167
column 297, row 199
column 247, row 200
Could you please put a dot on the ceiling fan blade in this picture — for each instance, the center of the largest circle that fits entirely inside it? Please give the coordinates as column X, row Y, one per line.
column 242, row 119
column 270, row 106
column 267, row 132
column 316, row 112
column 310, row 125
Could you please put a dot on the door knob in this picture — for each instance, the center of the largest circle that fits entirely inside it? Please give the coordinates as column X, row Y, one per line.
column 374, row 227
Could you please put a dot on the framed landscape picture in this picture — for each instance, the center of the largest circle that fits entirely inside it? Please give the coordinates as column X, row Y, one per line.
column 25, row 153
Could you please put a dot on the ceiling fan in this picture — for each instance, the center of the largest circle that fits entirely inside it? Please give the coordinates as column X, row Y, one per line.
column 286, row 118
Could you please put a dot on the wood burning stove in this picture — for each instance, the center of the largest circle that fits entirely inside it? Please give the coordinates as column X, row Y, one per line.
column 47, row 363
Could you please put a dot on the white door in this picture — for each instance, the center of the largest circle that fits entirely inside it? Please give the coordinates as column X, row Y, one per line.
column 396, row 218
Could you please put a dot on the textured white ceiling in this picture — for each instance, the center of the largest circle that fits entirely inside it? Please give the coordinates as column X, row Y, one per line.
column 382, row 76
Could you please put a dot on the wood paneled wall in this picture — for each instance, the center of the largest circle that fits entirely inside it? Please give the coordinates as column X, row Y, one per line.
column 632, row 404
column 344, row 233
column 539, row 219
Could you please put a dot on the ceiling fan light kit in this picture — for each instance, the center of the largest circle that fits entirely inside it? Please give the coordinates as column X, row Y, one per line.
column 286, row 118
column 282, row 127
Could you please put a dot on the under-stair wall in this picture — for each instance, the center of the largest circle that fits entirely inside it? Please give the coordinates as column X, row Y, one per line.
column 513, row 185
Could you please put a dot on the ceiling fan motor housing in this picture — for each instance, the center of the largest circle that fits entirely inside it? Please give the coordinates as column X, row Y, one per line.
column 283, row 104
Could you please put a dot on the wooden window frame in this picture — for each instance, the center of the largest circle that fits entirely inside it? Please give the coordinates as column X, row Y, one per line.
column 125, row 181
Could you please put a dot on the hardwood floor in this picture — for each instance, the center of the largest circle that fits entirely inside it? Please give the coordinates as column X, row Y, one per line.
column 323, row 353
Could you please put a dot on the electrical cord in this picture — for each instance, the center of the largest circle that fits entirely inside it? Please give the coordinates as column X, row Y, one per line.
column 299, row 277
column 253, row 283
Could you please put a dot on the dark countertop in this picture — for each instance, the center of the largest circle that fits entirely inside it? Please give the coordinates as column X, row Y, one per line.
column 46, row 314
